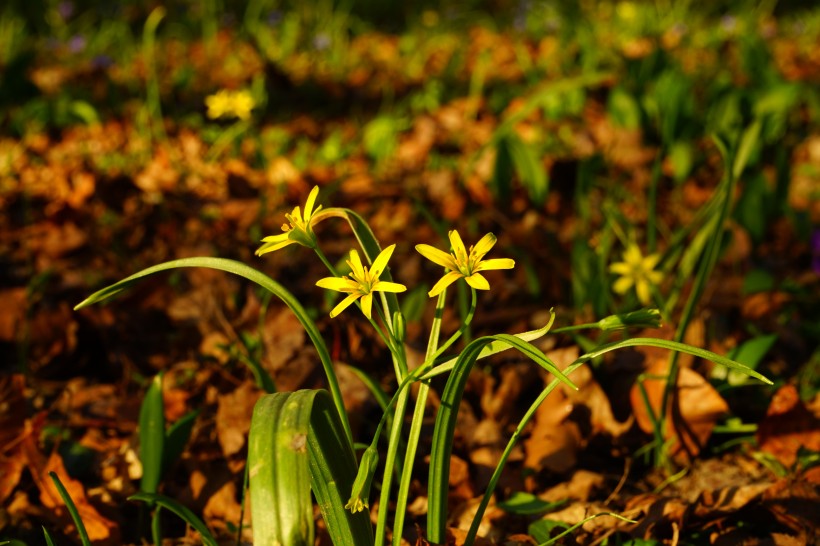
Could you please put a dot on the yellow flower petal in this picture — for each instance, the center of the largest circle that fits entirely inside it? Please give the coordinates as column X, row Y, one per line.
column 355, row 264
column 644, row 295
column 339, row 284
column 496, row 263
column 622, row 285
column 633, row 255
column 444, row 282
column 344, row 304
column 437, row 256
column 367, row 305
column 311, row 200
column 650, row 262
column 483, row 246
column 381, row 261
column 383, row 286
column 270, row 247
column 457, row 244
column 477, row 281
column 620, row 268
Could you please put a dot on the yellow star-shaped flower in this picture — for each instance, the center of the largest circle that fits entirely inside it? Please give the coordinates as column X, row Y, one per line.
column 298, row 229
column 225, row 103
column 638, row 271
column 465, row 264
column 361, row 283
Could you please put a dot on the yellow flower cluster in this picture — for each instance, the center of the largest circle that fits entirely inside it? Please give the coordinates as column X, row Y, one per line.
column 363, row 282
column 227, row 104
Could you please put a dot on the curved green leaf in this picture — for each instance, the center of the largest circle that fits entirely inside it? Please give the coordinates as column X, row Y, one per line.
column 297, row 442
column 182, row 511
column 238, row 268
column 152, row 436
column 674, row 346
column 446, row 423
column 72, row 508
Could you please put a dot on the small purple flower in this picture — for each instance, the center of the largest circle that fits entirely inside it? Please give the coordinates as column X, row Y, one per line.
column 274, row 18
column 77, row 43
column 321, row 41
column 815, row 251
column 65, row 9
column 101, row 62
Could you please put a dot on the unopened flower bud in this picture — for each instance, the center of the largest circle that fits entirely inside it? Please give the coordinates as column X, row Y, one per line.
column 642, row 318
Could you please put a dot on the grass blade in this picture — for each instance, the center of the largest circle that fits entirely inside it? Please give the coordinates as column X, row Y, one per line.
column 49, row 541
column 183, row 512
column 72, row 508
column 152, row 436
column 176, row 438
column 675, row 346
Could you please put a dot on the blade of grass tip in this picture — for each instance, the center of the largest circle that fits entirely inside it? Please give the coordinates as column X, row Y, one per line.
column 49, row 541
column 152, row 436
column 182, row 511
column 72, row 508
column 251, row 274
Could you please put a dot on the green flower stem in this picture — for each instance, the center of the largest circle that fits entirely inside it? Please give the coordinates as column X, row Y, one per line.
column 390, row 461
column 471, row 534
column 418, row 413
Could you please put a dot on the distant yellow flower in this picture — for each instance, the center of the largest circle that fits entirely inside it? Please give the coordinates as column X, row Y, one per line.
column 638, row 271
column 298, row 229
column 225, row 103
column 461, row 264
column 361, row 283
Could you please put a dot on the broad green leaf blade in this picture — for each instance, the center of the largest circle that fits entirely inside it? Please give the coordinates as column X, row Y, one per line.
column 238, row 268
column 152, row 436
column 176, row 437
column 675, row 346
column 297, row 441
column 72, row 508
column 446, row 423
column 278, row 469
column 332, row 472
column 182, row 511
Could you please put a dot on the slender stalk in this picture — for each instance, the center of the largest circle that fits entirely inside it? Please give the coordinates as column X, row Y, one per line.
column 485, row 500
column 418, row 415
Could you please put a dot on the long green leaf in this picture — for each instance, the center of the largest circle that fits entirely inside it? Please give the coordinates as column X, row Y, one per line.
column 297, row 442
column 492, row 348
column 446, row 423
column 238, row 268
column 177, row 437
column 49, row 541
column 675, row 346
column 182, row 511
column 152, row 436
column 72, row 508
